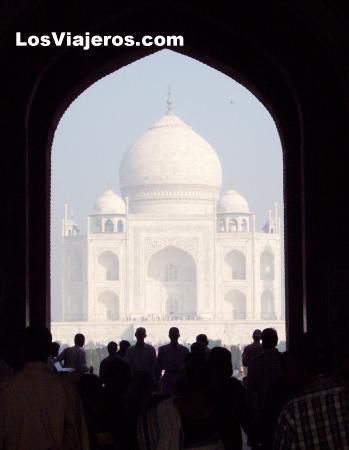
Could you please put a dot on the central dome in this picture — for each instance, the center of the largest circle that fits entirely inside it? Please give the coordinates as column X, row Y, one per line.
column 170, row 160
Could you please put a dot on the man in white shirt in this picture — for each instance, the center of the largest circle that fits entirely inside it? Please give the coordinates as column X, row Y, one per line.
column 75, row 357
column 141, row 358
column 40, row 410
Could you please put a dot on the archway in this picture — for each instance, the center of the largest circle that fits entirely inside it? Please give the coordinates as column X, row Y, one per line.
column 109, row 226
column 267, row 306
column 258, row 53
column 171, row 290
column 236, row 262
column 267, row 268
column 252, row 79
column 108, row 267
column 108, row 305
column 237, row 300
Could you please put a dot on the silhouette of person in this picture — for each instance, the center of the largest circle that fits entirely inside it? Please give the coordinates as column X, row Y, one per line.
column 75, row 357
column 318, row 415
column 123, row 347
column 141, row 358
column 263, row 371
column 229, row 395
column 39, row 409
column 170, row 359
column 252, row 350
column 204, row 340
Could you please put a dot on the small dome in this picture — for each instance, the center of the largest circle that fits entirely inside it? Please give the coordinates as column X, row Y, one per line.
column 110, row 203
column 232, row 202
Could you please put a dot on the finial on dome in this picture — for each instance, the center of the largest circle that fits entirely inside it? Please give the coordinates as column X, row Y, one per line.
column 169, row 100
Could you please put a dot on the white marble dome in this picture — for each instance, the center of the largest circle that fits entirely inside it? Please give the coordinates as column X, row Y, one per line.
column 232, row 202
column 110, row 203
column 170, row 160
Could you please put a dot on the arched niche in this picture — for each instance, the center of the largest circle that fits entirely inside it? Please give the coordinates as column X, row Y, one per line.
column 108, row 304
column 108, row 267
column 236, row 262
column 267, row 306
column 237, row 300
column 171, row 284
column 232, row 225
column 267, row 266
column 109, row 226
column 120, row 226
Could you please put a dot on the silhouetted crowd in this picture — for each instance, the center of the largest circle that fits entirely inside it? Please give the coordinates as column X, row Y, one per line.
column 175, row 399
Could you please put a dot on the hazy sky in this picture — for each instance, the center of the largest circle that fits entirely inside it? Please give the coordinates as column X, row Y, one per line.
column 106, row 119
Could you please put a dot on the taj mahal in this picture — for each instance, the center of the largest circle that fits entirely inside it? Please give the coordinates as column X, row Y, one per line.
column 171, row 250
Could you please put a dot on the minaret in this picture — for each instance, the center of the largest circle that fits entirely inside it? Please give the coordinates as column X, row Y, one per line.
column 69, row 227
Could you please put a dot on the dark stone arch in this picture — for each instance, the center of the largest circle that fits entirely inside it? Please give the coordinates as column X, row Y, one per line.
column 294, row 59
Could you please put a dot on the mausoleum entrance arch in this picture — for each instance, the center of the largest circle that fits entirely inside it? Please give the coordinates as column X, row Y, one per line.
column 171, row 289
column 256, row 65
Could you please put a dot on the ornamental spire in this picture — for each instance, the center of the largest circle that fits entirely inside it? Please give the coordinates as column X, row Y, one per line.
column 169, row 100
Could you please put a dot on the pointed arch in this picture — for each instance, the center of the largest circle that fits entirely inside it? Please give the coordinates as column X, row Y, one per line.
column 237, row 264
column 267, row 265
column 108, row 303
column 267, row 306
column 109, row 226
column 108, row 266
column 237, row 299
column 171, row 283
column 120, row 226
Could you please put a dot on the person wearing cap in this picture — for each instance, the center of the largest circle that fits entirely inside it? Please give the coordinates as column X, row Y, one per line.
column 141, row 358
column 252, row 350
column 170, row 360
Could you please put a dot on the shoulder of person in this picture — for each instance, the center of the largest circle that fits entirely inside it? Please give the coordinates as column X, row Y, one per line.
column 184, row 348
column 151, row 348
column 163, row 348
column 257, row 360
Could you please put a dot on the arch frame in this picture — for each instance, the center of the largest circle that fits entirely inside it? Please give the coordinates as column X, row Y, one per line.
column 256, row 53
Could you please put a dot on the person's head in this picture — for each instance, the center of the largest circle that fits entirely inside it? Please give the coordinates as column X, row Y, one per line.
column 79, row 340
column 123, row 346
column 112, row 348
column 36, row 343
column 198, row 350
column 256, row 336
column 173, row 334
column 140, row 335
column 269, row 338
column 202, row 338
column 219, row 362
column 54, row 349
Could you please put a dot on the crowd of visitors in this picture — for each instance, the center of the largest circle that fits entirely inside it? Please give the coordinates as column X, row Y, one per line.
column 173, row 399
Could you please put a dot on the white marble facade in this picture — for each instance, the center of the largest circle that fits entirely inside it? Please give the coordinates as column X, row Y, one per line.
column 172, row 249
